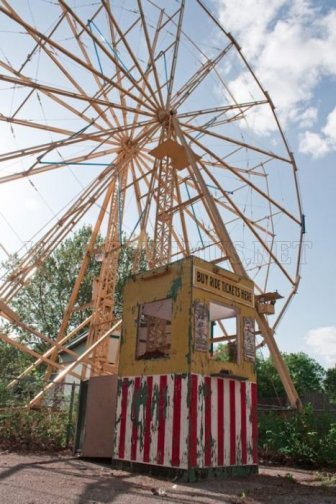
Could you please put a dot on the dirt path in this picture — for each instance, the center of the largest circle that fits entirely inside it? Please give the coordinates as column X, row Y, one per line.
column 44, row 479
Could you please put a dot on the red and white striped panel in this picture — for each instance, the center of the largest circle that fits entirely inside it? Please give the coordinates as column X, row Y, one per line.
column 152, row 425
column 181, row 421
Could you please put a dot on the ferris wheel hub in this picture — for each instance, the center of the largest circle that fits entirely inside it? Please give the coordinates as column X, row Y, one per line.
column 164, row 116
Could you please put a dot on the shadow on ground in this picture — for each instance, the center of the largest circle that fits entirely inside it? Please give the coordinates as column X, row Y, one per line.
column 45, row 479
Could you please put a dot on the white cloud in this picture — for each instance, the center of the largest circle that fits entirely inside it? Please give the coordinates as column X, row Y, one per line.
column 329, row 129
column 320, row 144
column 291, row 45
column 323, row 342
column 314, row 144
column 306, row 118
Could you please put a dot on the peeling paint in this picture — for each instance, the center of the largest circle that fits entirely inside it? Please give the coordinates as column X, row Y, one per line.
column 181, row 411
column 155, row 408
column 175, row 288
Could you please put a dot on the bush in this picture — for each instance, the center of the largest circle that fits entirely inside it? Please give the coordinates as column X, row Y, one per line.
column 23, row 429
column 300, row 438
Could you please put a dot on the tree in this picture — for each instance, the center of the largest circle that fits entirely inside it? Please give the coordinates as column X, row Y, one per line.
column 307, row 375
column 330, row 384
column 12, row 361
column 42, row 302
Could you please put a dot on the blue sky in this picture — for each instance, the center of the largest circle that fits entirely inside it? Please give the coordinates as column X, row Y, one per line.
column 291, row 45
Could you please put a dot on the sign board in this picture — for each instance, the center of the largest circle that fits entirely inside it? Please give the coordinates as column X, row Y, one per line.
column 201, row 327
column 249, row 339
column 223, row 286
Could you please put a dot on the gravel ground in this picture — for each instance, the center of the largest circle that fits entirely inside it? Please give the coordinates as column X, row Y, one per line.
column 60, row 479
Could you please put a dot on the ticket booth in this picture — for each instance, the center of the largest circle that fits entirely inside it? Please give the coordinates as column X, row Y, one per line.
column 187, row 386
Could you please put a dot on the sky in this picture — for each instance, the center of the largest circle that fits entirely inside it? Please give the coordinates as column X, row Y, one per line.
column 291, row 45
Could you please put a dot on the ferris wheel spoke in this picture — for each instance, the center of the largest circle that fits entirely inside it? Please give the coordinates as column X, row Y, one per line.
column 197, row 78
column 79, row 160
column 103, row 87
column 175, row 54
column 35, row 257
column 75, row 137
column 150, row 49
column 80, row 89
column 245, row 180
column 146, row 101
column 118, row 74
column 135, row 184
column 35, row 125
column 145, row 172
column 230, row 208
column 182, row 217
column 36, row 88
column 153, row 100
column 234, row 141
column 108, row 86
column 149, row 67
column 219, row 120
column 224, row 109
column 251, row 227
column 96, row 78
column 30, row 29
column 53, row 129
column 62, row 92
column 210, row 204
column 247, row 171
column 238, row 218
column 38, row 45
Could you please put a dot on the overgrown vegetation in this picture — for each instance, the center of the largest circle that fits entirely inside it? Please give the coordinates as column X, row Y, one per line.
column 50, row 428
column 22, row 429
column 302, row 438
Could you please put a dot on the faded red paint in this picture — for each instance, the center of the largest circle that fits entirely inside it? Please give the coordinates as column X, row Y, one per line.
column 124, row 392
column 175, row 461
column 162, row 419
column 134, row 417
column 148, row 418
column 243, row 432
column 207, row 421
column 187, row 421
column 193, row 414
column 220, row 422
column 232, row 422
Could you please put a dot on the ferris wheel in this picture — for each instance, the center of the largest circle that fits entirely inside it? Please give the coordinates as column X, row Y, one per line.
column 144, row 119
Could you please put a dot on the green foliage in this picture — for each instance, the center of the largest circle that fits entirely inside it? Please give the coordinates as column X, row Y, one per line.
column 221, row 353
column 22, row 429
column 330, row 384
column 125, row 265
column 307, row 375
column 12, row 361
column 299, row 438
column 43, row 300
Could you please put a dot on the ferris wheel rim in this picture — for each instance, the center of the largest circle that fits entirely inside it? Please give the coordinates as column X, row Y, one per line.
column 148, row 127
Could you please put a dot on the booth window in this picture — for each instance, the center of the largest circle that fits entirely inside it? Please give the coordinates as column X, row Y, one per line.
column 223, row 333
column 154, row 329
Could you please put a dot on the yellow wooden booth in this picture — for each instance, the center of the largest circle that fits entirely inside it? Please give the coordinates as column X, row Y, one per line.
column 186, row 391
